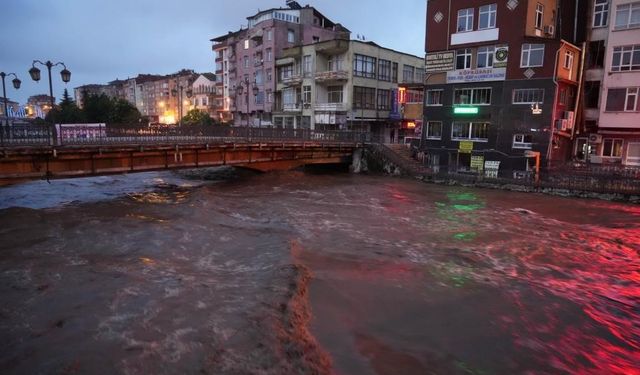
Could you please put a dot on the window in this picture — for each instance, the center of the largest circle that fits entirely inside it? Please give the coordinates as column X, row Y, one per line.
column 246, row 44
column 465, row 20
column 364, row 97
column 568, row 60
column 316, row 39
column 258, row 77
column 477, row 96
column 408, row 73
column 434, row 130
column 595, row 58
column 269, row 54
column 269, row 75
column 306, row 65
column 463, row 59
column 384, row 100
column 591, row 94
column 306, row 94
column 289, row 96
column 334, row 63
column 623, row 100
column 600, row 13
column 246, row 61
column 528, row 96
column 286, row 72
column 259, row 98
column 291, row 36
column 270, row 34
column 419, row 75
column 413, row 96
column 384, row 70
column 394, row 72
column 434, row 97
column 612, row 148
column 364, row 66
column 487, row 17
column 626, row 58
column 334, row 94
column 475, row 131
column 539, row 15
column 532, row 55
column 628, row 16
column 522, row 141
column 485, row 57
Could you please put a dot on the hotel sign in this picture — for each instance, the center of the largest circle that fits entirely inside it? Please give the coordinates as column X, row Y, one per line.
column 477, row 75
column 439, row 62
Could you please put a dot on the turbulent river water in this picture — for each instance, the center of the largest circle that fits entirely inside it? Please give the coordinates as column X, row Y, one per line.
column 298, row 273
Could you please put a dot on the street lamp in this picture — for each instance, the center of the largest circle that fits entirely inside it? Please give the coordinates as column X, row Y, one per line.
column 34, row 72
column 180, row 94
column 16, row 85
column 240, row 89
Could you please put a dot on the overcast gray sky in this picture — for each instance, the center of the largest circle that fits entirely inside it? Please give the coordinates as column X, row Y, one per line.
column 101, row 40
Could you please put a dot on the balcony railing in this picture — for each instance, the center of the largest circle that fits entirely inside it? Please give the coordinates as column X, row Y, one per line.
column 332, row 75
column 331, row 107
column 292, row 107
column 292, row 80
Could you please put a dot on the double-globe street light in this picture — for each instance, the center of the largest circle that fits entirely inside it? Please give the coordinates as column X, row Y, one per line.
column 240, row 87
column 16, row 84
column 35, row 75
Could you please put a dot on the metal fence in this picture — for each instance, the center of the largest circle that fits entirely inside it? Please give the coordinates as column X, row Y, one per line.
column 570, row 177
column 68, row 135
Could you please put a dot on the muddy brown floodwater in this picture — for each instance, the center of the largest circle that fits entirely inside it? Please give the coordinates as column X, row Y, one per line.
column 298, row 273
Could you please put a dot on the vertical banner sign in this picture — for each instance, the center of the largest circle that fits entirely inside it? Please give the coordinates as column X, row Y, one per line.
column 394, row 114
column 477, row 163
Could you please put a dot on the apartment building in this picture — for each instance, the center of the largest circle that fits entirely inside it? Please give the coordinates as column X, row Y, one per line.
column 81, row 92
column 206, row 96
column 343, row 85
column 611, row 132
column 501, row 84
column 245, row 59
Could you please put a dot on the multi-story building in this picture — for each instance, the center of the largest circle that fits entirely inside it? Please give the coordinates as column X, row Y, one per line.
column 206, row 97
column 611, row 134
column 39, row 106
column 343, row 84
column 246, row 58
column 81, row 92
column 501, row 83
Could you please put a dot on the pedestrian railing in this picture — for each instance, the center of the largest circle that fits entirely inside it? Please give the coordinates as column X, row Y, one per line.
column 68, row 135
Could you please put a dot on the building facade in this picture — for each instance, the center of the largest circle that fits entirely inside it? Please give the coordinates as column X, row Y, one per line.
column 343, row 85
column 38, row 106
column 501, row 84
column 246, row 58
column 206, row 95
column 611, row 131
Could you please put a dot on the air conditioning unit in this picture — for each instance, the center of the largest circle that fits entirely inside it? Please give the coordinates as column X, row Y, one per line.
column 549, row 30
column 595, row 138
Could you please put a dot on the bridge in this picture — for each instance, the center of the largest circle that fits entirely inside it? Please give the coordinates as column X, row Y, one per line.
column 44, row 152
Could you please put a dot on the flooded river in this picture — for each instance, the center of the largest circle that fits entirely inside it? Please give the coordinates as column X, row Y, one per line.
column 298, row 273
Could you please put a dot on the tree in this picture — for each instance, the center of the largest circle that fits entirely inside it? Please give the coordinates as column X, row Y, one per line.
column 67, row 112
column 101, row 108
column 197, row 117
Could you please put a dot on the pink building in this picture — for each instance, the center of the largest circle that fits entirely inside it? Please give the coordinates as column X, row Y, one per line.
column 246, row 59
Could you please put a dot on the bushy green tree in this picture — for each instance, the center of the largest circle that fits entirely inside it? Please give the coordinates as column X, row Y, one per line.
column 101, row 108
column 197, row 117
column 67, row 112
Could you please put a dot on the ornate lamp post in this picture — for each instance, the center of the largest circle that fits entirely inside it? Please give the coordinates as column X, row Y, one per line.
column 16, row 84
column 34, row 72
column 241, row 88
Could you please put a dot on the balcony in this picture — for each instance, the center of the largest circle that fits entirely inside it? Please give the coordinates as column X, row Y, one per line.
column 292, row 107
column 332, row 76
column 291, row 80
column 330, row 107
